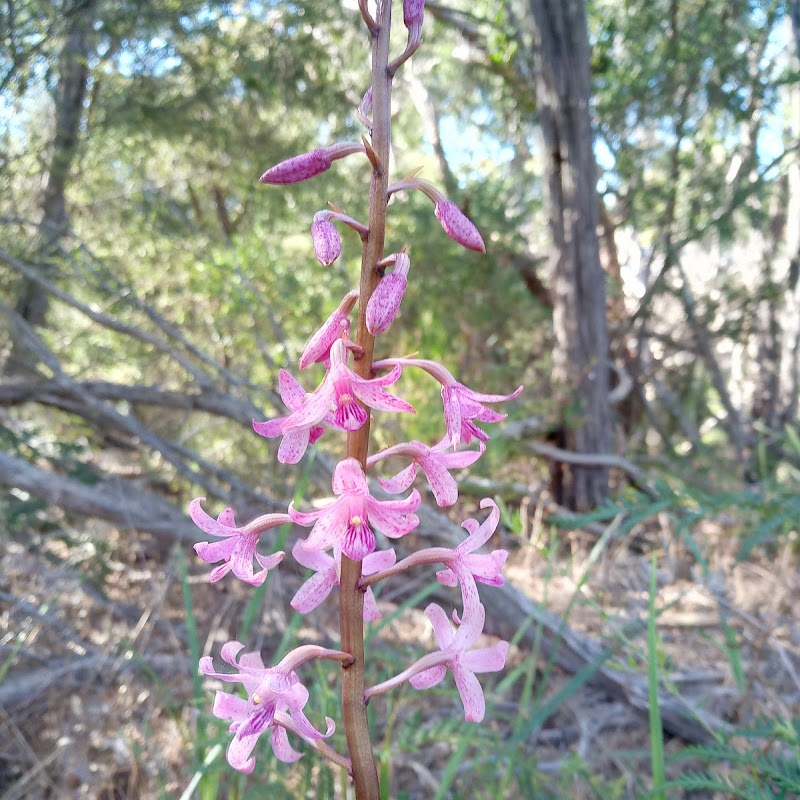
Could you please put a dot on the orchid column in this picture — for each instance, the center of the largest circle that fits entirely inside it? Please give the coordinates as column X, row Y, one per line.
column 348, row 525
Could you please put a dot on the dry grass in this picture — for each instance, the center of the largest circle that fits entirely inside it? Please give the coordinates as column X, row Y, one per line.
column 115, row 719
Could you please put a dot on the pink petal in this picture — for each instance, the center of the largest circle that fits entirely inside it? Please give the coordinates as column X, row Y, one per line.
column 464, row 458
column 488, row 398
column 206, row 523
column 218, row 573
column 391, row 523
column 382, row 381
column 442, row 629
column 229, row 651
column 458, row 226
column 471, row 627
column 348, row 478
column 239, row 751
column 410, row 503
column 358, row 541
column 442, row 483
column 452, row 415
column 447, row 577
column 329, row 529
column 292, row 393
column 400, row 482
column 485, row 659
column 371, row 611
column 281, row 747
column 314, row 591
column 486, row 567
column 327, row 242
column 211, row 552
column 374, row 397
column 227, row 518
column 349, row 415
column 479, row 537
column 428, row 677
column 313, row 411
column 378, row 561
column 306, row 518
column 229, row 707
column 471, row 693
column 313, row 559
column 271, row 428
column 293, row 446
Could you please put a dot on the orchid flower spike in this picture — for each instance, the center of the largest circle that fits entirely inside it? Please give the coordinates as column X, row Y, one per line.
column 453, row 220
column 461, row 404
column 338, row 395
column 465, row 568
column 454, row 654
column 295, row 441
column 269, row 691
column 318, row 347
column 385, row 301
column 237, row 550
column 326, row 575
column 435, row 462
column 308, row 165
column 350, row 521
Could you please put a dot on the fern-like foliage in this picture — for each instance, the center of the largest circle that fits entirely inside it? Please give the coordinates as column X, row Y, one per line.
column 753, row 771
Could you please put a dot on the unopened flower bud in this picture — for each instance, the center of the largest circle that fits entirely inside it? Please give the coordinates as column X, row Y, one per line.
column 327, row 242
column 337, row 324
column 384, row 304
column 458, row 226
column 413, row 12
column 307, row 165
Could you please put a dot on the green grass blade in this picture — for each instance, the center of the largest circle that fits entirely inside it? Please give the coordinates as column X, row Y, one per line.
column 654, row 710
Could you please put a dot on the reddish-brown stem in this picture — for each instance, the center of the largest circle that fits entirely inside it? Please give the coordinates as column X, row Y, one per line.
column 351, row 595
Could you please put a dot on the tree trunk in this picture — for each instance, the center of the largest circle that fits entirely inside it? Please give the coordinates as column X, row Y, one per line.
column 73, row 80
column 580, row 360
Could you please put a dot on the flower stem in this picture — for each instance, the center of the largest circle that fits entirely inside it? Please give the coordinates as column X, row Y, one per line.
column 351, row 595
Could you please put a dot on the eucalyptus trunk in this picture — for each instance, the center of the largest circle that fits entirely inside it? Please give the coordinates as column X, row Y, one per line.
column 580, row 360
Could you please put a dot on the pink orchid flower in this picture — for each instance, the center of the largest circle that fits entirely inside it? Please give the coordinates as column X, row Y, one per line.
column 318, row 347
column 237, row 550
column 307, row 165
column 295, row 441
column 435, row 462
column 454, row 654
column 464, row 567
column 317, row 588
column 338, row 394
column 350, row 521
column 461, row 404
column 270, row 692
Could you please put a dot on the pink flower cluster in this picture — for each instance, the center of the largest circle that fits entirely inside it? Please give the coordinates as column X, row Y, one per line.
column 350, row 524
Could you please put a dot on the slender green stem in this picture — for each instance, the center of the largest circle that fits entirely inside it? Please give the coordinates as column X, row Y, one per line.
column 351, row 595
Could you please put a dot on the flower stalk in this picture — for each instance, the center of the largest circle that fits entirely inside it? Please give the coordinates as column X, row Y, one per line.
column 351, row 594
